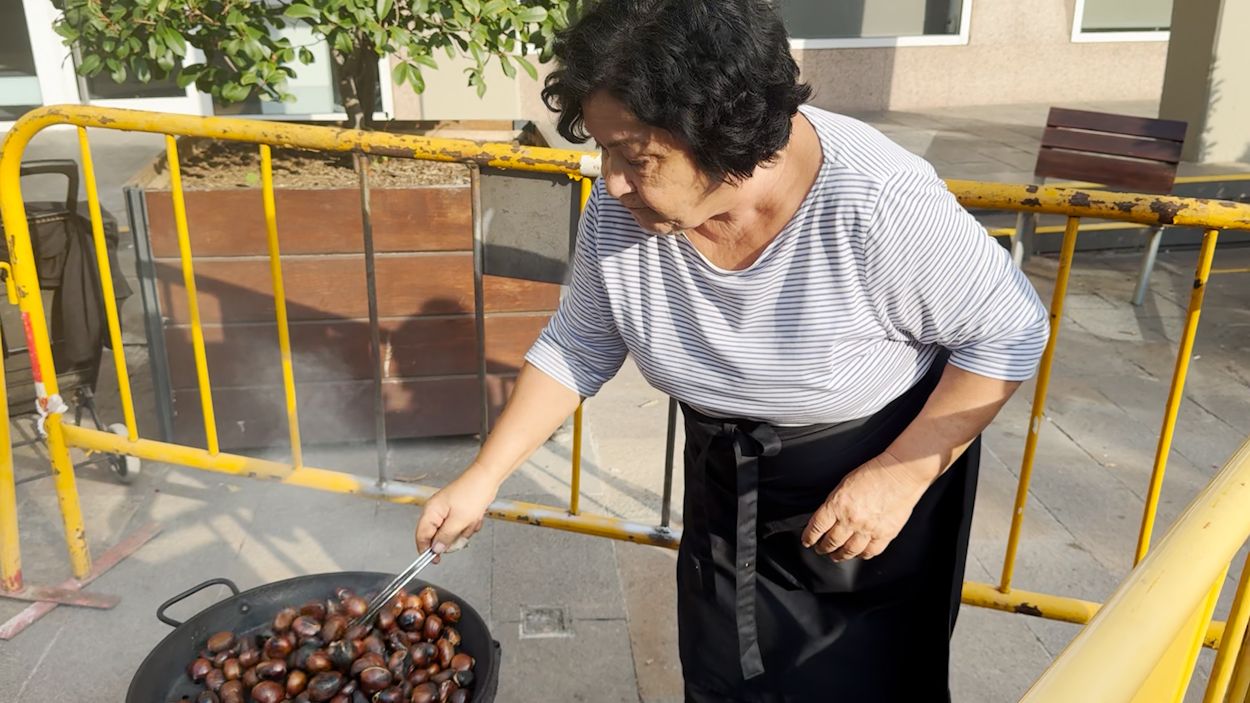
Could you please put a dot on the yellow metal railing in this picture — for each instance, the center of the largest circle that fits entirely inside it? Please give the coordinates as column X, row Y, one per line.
column 1211, row 216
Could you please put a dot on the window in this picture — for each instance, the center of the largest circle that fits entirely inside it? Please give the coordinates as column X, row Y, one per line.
column 1122, row 20
column 19, row 84
column 816, row 24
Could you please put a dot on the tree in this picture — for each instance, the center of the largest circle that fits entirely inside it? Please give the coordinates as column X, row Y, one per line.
column 244, row 56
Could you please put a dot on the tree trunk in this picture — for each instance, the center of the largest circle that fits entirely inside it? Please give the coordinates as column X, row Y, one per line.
column 358, row 84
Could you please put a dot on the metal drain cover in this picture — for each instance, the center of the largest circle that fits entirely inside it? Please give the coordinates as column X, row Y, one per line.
column 545, row 622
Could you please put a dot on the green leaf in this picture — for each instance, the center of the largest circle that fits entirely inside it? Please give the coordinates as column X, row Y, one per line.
column 384, row 7
column 167, row 63
column 301, row 12
column 473, row 7
column 188, row 75
column 119, row 74
column 400, row 72
column 493, row 7
column 143, row 71
column 248, row 79
column 425, row 60
column 417, row 81
column 508, row 69
column 529, row 67
column 306, row 55
column 532, row 14
column 343, row 43
column 233, row 92
column 90, row 65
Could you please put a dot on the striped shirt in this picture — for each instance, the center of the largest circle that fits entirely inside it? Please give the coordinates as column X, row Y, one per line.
column 877, row 272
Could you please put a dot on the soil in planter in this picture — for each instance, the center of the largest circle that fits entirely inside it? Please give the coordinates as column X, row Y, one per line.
column 221, row 165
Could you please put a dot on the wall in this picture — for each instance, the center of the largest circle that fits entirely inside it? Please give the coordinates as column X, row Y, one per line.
column 1018, row 52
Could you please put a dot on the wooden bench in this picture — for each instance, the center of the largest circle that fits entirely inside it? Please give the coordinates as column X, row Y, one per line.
column 1118, row 152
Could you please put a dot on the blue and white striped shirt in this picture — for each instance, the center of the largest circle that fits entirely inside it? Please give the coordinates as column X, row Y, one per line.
column 847, row 307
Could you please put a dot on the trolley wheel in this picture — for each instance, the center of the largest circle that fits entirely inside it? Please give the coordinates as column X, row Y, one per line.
column 126, row 467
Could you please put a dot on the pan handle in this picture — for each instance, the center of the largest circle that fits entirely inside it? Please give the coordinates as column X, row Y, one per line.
column 160, row 612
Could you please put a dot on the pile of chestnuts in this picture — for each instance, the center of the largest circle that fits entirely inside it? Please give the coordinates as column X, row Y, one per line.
column 313, row 654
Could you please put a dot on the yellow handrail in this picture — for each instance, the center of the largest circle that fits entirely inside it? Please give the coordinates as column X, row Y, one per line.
column 1110, row 658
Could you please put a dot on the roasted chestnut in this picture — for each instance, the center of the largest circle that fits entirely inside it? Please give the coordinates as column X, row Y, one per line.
column 417, row 677
column 423, row 653
column 463, row 679
column 425, row 693
column 318, row 662
column 324, row 686
column 272, row 670
column 459, row 695
column 207, row 697
column 342, row 654
column 343, row 593
column 198, row 669
column 341, row 698
column 214, row 679
column 445, row 689
column 250, row 678
column 445, row 653
column 277, row 648
column 429, row 599
column 315, row 608
column 355, row 607
column 356, row 632
column 433, row 627
column 398, row 663
column 220, row 642
column 365, row 661
column 219, row 659
column 333, row 628
column 374, row 679
column 249, row 657
column 452, row 635
column 441, row 676
column 268, row 692
column 450, row 612
column 232, row 692
column 410, row 620
column 299, row 658
column 462, row 662
column 349, row 688
column 296, row 682
column 373, row 643
column 232, row 669
column 386, row 620
column 282, row 621
column 306, row 626
column 394, row 694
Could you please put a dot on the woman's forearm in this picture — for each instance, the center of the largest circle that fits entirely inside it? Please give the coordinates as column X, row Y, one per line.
column 961, row 406
column 537, row 406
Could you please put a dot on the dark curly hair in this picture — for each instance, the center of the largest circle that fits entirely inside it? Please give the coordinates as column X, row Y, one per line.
column 717, row 74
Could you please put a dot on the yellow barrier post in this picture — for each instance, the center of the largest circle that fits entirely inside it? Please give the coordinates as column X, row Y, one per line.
column 1239, row 687
column 193, row 301
column 575, row 481
column 43, row 370
column 1038, row 414
column 1169, row 680
column 10, row 545
column 1177, row 391
column 1231, row 645
column 279, row 303
column 106, row 285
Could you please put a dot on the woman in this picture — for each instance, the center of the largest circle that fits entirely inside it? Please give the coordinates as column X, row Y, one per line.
column 838, row 331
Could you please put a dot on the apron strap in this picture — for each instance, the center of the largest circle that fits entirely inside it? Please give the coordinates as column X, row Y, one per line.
column 750, row 442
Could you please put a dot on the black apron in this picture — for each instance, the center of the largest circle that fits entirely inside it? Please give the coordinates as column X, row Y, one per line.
column 761, row 618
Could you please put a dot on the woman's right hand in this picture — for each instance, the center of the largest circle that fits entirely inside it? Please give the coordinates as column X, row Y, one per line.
column 457, row 511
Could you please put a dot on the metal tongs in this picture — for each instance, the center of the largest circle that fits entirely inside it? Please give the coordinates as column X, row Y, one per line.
column 396, row 585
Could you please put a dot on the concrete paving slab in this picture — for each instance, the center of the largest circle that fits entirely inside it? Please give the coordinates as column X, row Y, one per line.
column 650, row 600
column 562, row 570
column 587, row 667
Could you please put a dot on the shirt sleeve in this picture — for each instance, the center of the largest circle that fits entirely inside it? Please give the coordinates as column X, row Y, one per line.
column 935, row 276
column 581, row 346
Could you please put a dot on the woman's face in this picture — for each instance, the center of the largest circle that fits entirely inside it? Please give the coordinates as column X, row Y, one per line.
column 650, row 171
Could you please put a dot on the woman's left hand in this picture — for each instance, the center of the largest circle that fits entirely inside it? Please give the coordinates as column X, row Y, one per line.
column 866, row 511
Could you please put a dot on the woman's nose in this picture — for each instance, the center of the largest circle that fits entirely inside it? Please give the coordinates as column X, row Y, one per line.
column 615, row 181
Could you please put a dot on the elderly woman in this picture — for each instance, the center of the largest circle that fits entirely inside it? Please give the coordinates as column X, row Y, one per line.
column 837, row 329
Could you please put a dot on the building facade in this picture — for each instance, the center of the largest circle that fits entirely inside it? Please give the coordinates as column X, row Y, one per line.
column 858, row 54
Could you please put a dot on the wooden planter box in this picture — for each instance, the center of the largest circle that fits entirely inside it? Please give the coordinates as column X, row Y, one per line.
column 423, row 239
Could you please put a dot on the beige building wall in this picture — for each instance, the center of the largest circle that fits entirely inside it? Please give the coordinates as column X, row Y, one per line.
column 1018, row 52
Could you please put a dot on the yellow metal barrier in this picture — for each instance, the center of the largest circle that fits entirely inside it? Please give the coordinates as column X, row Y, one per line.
column 1109, row 660
column 1209, row 215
